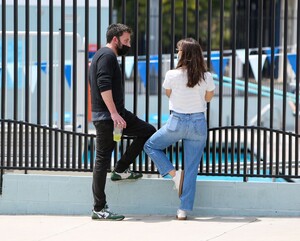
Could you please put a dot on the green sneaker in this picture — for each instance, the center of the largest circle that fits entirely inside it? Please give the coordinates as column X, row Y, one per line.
column 106, row 214
column 126, row 175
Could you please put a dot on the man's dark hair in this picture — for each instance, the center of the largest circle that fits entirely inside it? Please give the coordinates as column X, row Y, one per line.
column 116, row 29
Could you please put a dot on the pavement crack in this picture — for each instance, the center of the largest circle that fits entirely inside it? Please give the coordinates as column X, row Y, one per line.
column 238, row 227
column 64, row 231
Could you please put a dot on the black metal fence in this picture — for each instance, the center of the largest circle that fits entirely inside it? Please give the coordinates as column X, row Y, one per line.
column 253, row 119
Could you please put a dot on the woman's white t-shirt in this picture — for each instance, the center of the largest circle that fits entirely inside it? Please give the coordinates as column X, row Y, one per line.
column 185, row 99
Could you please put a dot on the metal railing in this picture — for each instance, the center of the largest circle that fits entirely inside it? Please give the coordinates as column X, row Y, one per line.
column 249, row 65
column 233, row 151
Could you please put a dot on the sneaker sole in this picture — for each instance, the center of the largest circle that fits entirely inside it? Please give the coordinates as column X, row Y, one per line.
column 125, row 179
column 108, row 219
column 182, row 218
column 181, row 184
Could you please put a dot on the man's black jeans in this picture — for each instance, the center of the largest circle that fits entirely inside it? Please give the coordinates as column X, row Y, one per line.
column 138, row 129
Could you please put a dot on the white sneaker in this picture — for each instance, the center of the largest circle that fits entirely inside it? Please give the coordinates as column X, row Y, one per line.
column 178, row 180
column 181, row 214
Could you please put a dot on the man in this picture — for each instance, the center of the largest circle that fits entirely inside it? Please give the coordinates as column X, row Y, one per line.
column 108, row 111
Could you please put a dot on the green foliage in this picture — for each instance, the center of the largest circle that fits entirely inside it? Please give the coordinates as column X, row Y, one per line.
column 191, row 31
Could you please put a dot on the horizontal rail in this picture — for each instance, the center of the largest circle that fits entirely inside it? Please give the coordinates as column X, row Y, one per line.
column 228, row 154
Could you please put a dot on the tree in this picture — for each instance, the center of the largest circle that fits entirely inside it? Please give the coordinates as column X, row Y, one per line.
column 179, row 21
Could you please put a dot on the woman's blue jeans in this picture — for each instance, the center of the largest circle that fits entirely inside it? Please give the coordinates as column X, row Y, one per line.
column 192, row 130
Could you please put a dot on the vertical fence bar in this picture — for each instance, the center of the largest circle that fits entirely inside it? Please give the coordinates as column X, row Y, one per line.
column 172, row 57
column 179, row 146
column 123, row 9
column 173, row 39
column 226, row 151
column 51, row 79
column 39, row 79
column 252, row 137
column 74, row 149
column 62, row 81
column 110, row 12
column 79, row 158
column 20, row 143
column 50, row 100
column 197, row 19
column 221, row 50
column 265, row 145
column 98, row 24
column 297, row 119
column 3, row 89
column 89, row 154
column 260, row 42
column 74, row 79
column 116, row 151
column 135, row 71
column 27, row 80
column 74, row 153
column 214, row 151
column 123, row 14
column 39, row 60
column 86, row 76
column 32, row 149
column 174, row 149
column 44, row 146
column 56, row 149
column 284, row 84
column 147, row 59
column 285, row 33
column 208, row 59
column 136, row 55
column 283, row 159
column 8, row 152
column 3, row 67
column 233, row 63
column 232, row 161
column 68, row 151
column 233, row 76
column 272, row 69
column 238, row 152
column 38, row 145
column 159, row 81
column 184, row 14
column 259, row 66
column 147, row 70
column 258, row 150
column 92, row 158
column 16, row 68
column 74, row 68
column 290, row 155
column 247, row 35
column 277, row 145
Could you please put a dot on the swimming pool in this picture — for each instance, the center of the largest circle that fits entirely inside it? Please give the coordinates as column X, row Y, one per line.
column 238, row 179
column 232, row 163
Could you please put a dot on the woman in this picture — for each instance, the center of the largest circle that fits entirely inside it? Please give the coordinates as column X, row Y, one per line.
column 189, row 87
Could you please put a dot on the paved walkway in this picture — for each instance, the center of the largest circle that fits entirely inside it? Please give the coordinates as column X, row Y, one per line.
column 148, row 228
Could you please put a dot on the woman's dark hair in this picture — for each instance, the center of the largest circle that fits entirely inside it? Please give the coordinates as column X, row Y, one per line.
column 192, row 59
column 116, row 29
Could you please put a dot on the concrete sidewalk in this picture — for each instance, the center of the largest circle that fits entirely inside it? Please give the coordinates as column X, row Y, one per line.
column 144, row 228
